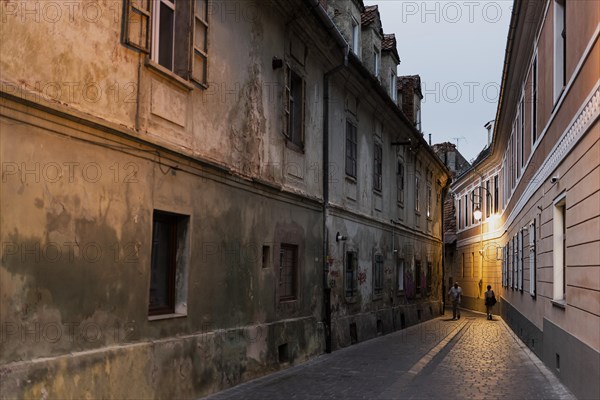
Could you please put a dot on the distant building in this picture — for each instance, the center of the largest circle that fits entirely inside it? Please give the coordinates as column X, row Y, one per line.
column 537, row 189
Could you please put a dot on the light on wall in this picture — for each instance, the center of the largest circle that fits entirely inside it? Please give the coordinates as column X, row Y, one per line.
column 338, row 237
column 477, row 214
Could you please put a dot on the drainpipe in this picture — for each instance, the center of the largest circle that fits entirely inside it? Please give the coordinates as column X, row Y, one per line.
column 332, row 29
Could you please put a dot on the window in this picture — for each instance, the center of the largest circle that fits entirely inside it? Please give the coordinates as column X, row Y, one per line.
column 294, row 107
column 521, row 133
column 472, row 264
column 417, row 193
column 168, row 295
column 417, row 101
column 177, row 39
column 466, row 200
column 266, row 256
column 378, row 275
column 496, row 188
column 532, row 271
column 534, row 88
column 351, row 281
column 351, row 149
column 560, row 47
column 400, row 274
column 429, row 276
column 559, row 249
column 428, row 202
column 288, row 272
column 459, row 208
column 355, row 37
column 515, row 271
column 472, row 206
column 520, row 259
column 376, row 62
column 488, row 199
column 418, row 283
column 504, row 267
column 400, row 182
column 393, row 86
column 509, row 263
column 378, row 168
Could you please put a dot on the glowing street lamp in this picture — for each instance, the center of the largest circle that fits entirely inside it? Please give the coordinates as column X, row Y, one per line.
column 477, row 214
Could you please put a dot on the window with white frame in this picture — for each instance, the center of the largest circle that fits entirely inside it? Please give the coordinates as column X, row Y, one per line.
column 376, row 62
column 560, row 47
column 393, row 86
column 417, row 105
column 515, row 271
column 532, row 272
column 559, row 249
column 496, row 197
column 522, row 135
column 355, row 37
column 459, row 214
column 428, row 211
column 173, row 33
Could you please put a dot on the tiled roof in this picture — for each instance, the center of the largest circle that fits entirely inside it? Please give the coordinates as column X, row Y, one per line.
column 389, row 44
column 410, row 80
column 369, row 15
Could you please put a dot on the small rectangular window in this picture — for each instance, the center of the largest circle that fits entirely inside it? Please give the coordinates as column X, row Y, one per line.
column 356, row 37
column 378, row 168
column 351, row 278
column 534, row 89
column 418, row 278
column 400, row 274
column 429, row 199
column 417, row 193
column 560, row 47
column 520, row 258
column 378, row 275
column 266, row 256
column 169, row 232
column 429, row 277
column 351, row 149
column 294, row 107
column 496, row 198
column 559, row 250
column 137, row 24
column 532, row 255
column 288, row 272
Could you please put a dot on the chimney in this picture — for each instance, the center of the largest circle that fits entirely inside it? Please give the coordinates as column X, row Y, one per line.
column 430, row 139
column 490, row 130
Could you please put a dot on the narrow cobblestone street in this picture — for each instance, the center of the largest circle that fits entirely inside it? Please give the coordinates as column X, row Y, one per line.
column 471, row 358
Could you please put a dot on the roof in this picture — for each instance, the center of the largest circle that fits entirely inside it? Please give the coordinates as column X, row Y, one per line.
column 369, row 14
column 389, row 44
column 410, row 80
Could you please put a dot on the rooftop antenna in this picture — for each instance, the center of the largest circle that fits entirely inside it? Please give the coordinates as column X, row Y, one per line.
column 458, row 139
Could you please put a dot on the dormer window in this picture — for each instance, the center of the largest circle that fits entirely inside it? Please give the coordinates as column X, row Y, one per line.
column 355, row 36
column 417, row 102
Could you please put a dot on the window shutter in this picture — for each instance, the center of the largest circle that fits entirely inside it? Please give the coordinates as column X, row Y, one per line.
column 136, row 25
column 200, row 42
column 183, row 38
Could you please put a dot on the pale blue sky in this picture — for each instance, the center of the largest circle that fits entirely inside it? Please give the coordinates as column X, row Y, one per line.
column 457, row 47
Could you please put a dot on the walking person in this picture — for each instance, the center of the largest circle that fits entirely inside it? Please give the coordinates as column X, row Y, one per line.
column 455, row 294
column 490, row 300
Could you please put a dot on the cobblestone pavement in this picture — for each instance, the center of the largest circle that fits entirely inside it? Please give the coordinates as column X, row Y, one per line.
column 471, row 358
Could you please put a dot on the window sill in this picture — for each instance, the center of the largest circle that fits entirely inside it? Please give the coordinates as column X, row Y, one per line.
column 559, row 303
column 165, row 316
column 293, row 146
column 288, row 300
column 165, row 73
column 351, row 179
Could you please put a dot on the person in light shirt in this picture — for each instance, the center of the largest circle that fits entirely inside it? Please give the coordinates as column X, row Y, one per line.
column 455, row 294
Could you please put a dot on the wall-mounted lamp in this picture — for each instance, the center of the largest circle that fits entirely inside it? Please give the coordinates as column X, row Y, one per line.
column 477, row 214
column 338, row 237
column 277, row 63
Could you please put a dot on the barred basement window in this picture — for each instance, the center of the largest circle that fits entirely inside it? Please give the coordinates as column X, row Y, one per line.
column 378, row 275
column 288, row 272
